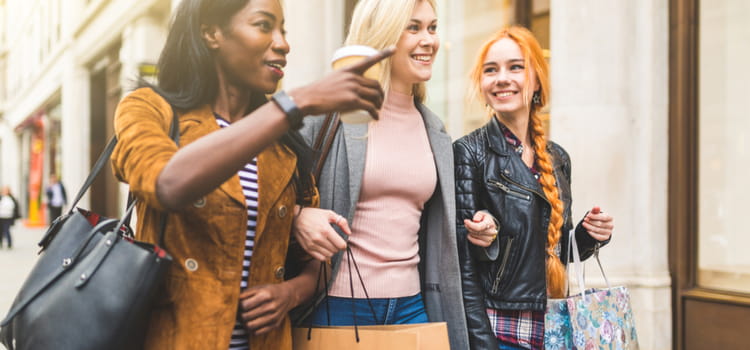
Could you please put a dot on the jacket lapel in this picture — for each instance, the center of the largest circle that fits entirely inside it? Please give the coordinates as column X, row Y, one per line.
column 276, row 166
column 206, row 124
column 442, row 150
column 355, row 137
column 511, row 165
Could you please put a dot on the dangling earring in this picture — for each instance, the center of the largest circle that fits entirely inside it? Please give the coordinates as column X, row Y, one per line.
column 536, row 99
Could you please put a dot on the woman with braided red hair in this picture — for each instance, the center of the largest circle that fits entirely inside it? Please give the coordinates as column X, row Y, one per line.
column 508, row 168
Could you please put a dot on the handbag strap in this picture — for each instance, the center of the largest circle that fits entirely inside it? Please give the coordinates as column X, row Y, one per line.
column 327, row 133
column 103, row 158
column 174, row 134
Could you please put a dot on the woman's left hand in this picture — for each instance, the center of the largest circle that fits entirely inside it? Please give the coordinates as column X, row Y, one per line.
column 482, row 229
column 313, row 230
column 598, row 224
column 263, row 308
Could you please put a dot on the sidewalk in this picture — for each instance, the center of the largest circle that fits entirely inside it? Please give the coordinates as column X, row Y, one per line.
column 16, row 263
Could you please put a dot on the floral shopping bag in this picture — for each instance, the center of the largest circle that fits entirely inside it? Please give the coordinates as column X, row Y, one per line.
column 557, row 332
column 594, row 319
column 602, row 319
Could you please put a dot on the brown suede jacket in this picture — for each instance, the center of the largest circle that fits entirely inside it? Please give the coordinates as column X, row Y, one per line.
column 206, row 239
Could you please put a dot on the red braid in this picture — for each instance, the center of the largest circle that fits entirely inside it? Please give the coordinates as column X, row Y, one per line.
column 555, row 268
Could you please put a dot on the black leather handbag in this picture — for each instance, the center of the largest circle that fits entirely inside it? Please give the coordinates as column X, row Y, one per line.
column 93, row 285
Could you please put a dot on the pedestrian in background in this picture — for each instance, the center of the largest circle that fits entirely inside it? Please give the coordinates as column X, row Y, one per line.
column 392, row 179
column 509, row 168
column 231, row 187
column 56, row 197
column 9, row 212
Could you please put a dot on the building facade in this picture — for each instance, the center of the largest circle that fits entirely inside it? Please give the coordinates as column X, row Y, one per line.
column 66, row 65
column 646, row 97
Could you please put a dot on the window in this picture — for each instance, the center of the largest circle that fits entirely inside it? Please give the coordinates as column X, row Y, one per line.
column 724, row 146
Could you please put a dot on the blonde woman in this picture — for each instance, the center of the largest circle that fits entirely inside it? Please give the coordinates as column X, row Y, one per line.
column 509, row 168
column 395, row 186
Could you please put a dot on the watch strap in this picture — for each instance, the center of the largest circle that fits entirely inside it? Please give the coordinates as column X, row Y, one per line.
column 289, row 107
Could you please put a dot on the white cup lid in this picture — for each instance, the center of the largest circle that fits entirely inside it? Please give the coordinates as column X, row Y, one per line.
column 353, row 50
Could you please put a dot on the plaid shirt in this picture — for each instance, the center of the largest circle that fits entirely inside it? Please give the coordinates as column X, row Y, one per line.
column 519, row 327
column 522, row 328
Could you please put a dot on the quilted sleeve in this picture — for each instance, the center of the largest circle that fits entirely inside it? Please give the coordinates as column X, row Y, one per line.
column 467, row 175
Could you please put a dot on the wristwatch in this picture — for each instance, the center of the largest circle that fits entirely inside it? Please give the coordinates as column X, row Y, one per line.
column 287, row 105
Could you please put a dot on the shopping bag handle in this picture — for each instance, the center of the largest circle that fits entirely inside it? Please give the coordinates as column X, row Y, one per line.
column 579, row 268
column 324, row 272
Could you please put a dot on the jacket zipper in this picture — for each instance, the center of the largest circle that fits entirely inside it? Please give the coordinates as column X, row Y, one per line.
column 524, row 187
column 507, row 190
column 502, row 266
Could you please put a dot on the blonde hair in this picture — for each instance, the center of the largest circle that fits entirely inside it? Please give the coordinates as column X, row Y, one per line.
column 379, row 24
column 533, row 57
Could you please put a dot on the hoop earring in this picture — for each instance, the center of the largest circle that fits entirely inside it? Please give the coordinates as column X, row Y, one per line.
column 536, row 99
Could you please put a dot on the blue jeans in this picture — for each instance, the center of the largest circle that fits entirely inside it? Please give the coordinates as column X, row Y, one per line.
column 506, row 346
column 388, row 311
column 5, row 232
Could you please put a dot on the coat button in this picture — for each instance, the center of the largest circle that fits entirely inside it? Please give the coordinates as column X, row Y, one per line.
column 191, row 265
column 282, row 211
column 200, row 203
column 279, row 272
column 506, row 171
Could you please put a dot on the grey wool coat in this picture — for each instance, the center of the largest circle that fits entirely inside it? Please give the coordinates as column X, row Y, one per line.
column 340, row 183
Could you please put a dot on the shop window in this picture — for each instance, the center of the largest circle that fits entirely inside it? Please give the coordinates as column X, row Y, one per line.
column 724, row 146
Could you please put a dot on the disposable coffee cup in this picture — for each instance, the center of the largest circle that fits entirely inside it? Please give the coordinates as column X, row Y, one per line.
column 347, row 56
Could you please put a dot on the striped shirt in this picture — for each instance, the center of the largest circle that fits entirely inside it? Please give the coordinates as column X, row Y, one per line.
column 249, row 181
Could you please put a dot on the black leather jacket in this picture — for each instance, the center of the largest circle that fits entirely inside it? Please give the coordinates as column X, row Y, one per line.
column 510, row 274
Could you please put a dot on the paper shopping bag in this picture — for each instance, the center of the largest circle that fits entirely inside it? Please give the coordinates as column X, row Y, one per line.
column 419, row 336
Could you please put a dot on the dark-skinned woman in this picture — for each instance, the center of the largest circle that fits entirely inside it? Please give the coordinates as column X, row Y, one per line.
column 237, row 180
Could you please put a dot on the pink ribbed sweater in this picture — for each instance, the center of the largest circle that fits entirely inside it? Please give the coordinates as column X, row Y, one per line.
column 399, row 177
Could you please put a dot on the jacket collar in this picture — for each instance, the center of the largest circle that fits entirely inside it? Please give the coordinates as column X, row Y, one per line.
column 431, row 121
column 203, row 119
column 511, row 164
column 496, row 138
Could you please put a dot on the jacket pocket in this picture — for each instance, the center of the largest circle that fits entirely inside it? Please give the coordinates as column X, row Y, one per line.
column 509, row 191
column 499, row 274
